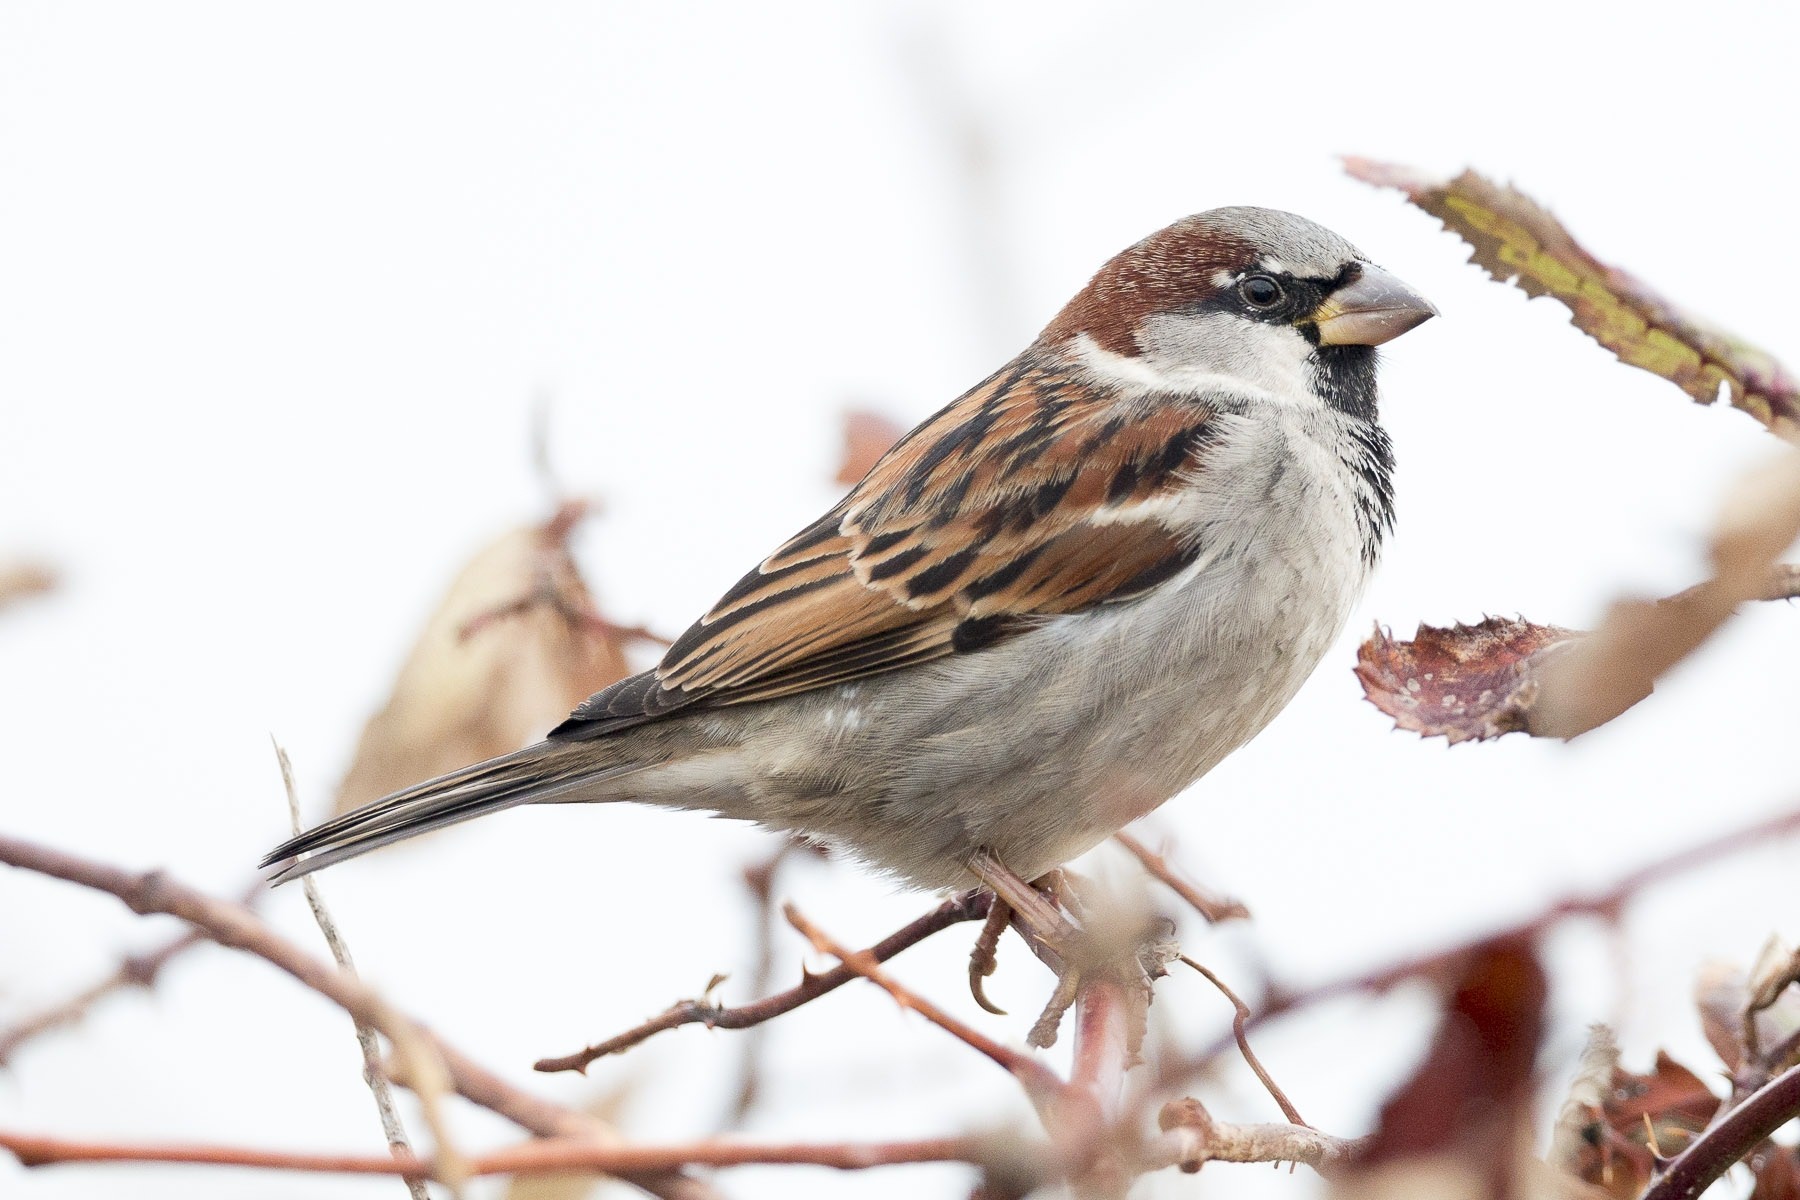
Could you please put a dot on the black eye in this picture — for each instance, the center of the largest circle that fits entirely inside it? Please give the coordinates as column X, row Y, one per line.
column 1259, row 291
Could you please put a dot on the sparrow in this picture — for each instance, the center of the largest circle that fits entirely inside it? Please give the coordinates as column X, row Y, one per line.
column 1048, row 609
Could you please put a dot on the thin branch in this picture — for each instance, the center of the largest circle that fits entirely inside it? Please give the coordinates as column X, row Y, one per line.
column 1214, row 908
column 1191, row 1139
column 374, row 1077
column 236, row 926
column 1039, row 1081
column 1238, row 1030
column 1715, row 1151
column 970, row 906
column 530, row 1158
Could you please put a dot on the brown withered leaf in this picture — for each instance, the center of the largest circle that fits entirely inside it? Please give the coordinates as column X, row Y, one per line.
column 1464, row 683
column 513, row 646
column 867, row 436
column 1461, row 1126
column 1517, row 241
column 1502, row 676
column 1777, row 966
column 21, row 579
column 1618, row 1155
column 1640, row 640
column 1720, row 996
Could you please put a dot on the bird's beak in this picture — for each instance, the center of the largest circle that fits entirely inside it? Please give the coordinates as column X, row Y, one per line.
column 1371, row 309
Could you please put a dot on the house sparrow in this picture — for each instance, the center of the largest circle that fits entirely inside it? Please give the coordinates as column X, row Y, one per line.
column 1048, row 609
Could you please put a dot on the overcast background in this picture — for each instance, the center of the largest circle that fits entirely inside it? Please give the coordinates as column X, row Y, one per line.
column 280, row 284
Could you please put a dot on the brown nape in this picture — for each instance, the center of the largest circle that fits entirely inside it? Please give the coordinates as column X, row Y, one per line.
column 1170, row 268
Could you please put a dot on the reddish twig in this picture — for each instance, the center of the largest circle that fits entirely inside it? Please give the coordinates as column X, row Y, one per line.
column 1741, row 1131
column 1214, row 908
column 1039, row 1081
column 1242, row 1015
column 236, row 926
column 557, row 1154
column 970, row 906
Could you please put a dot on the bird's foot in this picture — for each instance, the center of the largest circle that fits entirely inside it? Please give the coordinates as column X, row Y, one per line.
column 1070, row 937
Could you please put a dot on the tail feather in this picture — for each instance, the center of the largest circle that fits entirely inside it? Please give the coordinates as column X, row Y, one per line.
column 526, row 776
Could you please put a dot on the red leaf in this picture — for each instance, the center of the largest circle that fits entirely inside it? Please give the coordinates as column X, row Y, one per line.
column 1467, row 682
column 1471, row 1098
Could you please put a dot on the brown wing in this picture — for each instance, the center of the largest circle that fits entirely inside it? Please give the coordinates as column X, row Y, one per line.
column 1028, row 497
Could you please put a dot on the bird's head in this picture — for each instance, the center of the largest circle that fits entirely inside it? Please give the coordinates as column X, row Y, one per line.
column 1255, row 294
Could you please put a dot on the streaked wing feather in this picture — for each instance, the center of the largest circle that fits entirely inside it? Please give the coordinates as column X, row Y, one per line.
column 1027, row 498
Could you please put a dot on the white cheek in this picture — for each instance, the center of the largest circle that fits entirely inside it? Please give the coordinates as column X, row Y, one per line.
column 1270, row 357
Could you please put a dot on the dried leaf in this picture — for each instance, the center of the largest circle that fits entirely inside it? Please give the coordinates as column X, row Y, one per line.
column 1465, row 683
column 1729, row 1012
column 867, row 436
column 1516, row 241
column 1508, row 676
column 1463, row 1120
column 1639, row 641
column 21, row 579
column 514, row 645
column 1721, row 996
column 1619, row 1157
column 1777, row 966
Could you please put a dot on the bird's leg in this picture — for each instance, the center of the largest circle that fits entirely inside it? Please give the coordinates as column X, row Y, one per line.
column 1036, row 913
column 1074, row 940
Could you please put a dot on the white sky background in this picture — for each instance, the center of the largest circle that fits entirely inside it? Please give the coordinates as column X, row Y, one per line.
column 278, row 286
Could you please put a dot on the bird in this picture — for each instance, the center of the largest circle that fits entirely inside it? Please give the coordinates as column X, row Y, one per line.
column 1048, row 609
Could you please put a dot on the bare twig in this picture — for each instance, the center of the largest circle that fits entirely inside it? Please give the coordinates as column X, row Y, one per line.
column 374, row 1076
column 970, row 906
column 1039, row 1081
column 236, row 926
column 535, row 1157
column 1238, row 1030
column 1191, row 1138
column 1214, row 908
column 1715, row 1151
